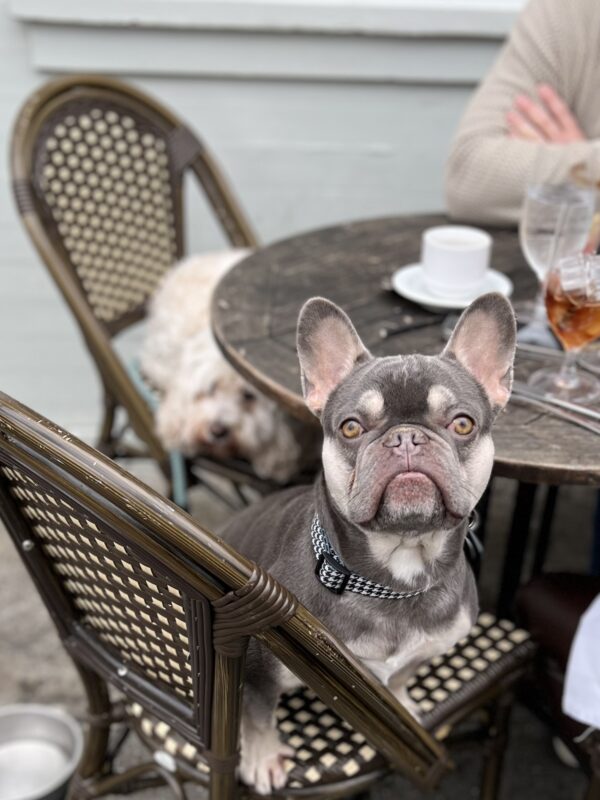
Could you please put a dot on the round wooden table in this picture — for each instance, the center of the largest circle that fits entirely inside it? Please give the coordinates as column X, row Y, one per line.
column 255, row 308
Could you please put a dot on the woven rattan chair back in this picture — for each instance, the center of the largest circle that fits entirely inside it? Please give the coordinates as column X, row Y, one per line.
column 123, row 609
column 98, row 171
column 110, row 200
column 102, row 166
column 147, row 601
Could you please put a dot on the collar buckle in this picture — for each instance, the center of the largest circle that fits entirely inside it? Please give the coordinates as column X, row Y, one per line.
column 333, row 575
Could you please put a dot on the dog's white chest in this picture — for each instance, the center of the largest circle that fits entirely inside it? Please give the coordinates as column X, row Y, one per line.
column 418, row 646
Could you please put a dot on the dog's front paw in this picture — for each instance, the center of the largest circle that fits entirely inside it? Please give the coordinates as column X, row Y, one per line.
column 262, row 763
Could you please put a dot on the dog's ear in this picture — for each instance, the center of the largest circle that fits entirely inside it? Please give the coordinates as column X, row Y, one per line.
column 328, row 348
column 484, row 342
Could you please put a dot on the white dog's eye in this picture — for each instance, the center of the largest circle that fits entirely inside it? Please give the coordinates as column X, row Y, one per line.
column 462, row 425
column 207, row 392
column 248, row 396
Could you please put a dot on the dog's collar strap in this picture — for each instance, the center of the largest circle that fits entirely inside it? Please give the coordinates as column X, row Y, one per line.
column 335, row 576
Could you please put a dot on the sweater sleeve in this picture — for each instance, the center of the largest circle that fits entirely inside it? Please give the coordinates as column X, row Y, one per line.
column 487, row 172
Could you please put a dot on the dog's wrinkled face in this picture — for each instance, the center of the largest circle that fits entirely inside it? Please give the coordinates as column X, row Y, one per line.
column 407, row 439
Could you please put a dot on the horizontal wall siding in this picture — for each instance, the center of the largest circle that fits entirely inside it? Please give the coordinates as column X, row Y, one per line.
column 259, row 55
column 477, row 18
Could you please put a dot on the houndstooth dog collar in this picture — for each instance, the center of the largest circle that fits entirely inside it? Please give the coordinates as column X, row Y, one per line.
column 335, row 576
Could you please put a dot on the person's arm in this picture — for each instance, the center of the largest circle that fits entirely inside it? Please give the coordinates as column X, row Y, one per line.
column 506, row 139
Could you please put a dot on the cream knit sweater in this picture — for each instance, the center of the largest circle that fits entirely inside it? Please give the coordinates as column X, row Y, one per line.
column 555, row 42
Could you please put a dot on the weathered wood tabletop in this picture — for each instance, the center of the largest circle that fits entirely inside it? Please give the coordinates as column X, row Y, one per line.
column 255, row 308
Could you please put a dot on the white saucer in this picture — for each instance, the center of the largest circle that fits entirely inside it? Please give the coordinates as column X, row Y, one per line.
column 408, row 282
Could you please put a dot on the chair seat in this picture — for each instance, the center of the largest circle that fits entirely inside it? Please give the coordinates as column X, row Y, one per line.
column 493, row 648
column 327, row 750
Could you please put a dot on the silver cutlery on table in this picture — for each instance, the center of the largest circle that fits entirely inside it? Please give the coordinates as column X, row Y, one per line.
column 583, row 416
column 544, row 353
column 566, row 405
column 536, row 351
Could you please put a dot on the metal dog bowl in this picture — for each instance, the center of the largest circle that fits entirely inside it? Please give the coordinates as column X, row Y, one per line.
column 40, row 748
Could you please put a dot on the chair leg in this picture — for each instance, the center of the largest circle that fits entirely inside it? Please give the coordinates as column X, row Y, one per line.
column 131, row 780
column 175, row 785
column 592, row 744
column 593, row 789
column 516, row 547
column 100, row 719
column 543, row 539
column 495, row 747
column 106, row 443
column 595, row 565
column 179, row 480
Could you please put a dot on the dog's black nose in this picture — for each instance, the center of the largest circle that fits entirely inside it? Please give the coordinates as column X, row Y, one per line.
column 218, row 430
column 405, row 435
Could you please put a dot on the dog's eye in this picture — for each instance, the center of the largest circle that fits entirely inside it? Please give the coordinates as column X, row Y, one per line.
column 350, row 429
column 462, row 425
column 248, row 396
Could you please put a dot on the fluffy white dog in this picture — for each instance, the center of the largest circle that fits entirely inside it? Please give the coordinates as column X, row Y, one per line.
column 205, row 406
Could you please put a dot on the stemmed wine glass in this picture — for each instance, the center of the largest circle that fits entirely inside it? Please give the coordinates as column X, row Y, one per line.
column 572, row 296
column 555, row 222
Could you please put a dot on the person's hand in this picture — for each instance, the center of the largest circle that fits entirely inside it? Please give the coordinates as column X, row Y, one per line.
column 546, row 119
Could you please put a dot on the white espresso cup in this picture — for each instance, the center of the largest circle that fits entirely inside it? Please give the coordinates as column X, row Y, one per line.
column 455, row 259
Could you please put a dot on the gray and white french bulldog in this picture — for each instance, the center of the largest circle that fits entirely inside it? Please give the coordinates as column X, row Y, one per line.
column 407, row 454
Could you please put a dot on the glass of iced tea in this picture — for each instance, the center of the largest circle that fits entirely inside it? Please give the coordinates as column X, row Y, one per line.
column 555, row 222
column 572, row 296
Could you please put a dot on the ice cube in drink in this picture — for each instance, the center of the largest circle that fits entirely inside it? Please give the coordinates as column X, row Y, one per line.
column 573, row 314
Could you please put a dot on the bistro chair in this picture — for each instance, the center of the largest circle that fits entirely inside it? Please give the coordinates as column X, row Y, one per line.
column 156, row 612
column 98, row 170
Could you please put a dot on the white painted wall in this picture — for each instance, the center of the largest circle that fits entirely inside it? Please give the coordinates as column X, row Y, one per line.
column 319, row 110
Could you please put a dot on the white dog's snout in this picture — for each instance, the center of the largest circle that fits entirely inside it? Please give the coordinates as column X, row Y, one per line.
column 218, row 431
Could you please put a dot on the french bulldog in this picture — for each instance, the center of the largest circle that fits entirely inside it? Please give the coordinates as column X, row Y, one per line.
column 407, row 454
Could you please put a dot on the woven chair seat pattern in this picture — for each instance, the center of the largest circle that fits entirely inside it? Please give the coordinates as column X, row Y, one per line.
column 327, row 749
